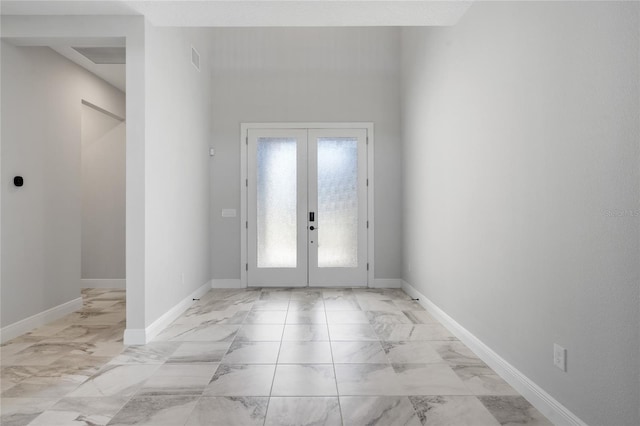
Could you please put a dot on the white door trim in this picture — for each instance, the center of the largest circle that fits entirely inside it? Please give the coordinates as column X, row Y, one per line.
column 244, row 127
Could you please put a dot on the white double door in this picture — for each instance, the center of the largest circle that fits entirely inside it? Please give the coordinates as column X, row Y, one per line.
column 307, row 207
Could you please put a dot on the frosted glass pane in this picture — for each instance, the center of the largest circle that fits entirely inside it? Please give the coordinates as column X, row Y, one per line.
column 277, row 203
column 337, row 203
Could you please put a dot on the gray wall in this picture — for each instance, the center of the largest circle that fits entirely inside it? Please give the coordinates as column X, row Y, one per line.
column 305, row 75
column 177, row 126
column 41, row 127
column 103, row 196
column 521, row 183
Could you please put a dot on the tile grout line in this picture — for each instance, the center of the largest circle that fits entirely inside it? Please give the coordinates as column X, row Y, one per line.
column 275, row 370
column 333, row 362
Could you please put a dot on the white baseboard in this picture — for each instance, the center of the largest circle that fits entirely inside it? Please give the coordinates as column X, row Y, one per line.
column 24, row 326
column 377, row 283
column 386, row 283
column 227, row 283
column 557, row 413
column 103, row 283
column 135, row 336
column 139, row 336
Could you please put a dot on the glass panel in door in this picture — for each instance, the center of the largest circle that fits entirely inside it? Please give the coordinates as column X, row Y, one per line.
column 338, row 198
column 277, row 205
column 337, row 202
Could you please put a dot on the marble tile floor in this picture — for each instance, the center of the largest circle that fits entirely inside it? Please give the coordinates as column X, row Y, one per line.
column 256, row 357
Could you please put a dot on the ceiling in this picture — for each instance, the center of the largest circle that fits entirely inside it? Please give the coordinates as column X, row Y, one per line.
column 247, row 13
column 114, row 74
column 239, row 13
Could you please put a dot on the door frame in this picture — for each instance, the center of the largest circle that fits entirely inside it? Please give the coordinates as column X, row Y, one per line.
column 244, row 128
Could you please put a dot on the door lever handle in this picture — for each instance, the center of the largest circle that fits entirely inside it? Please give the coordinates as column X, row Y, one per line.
column 312, row 227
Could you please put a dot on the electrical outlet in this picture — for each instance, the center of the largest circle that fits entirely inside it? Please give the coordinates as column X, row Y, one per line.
column 559, row 357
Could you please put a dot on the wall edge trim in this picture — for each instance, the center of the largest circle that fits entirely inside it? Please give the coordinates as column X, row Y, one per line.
column 140, row 336
column 135, row 336
column 538, row 397
column 25, row 325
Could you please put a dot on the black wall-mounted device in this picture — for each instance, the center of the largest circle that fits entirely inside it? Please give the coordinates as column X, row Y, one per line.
column 18, row 181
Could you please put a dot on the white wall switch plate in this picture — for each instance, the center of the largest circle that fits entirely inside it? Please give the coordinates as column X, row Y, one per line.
column 212, row 152
column 560, row 357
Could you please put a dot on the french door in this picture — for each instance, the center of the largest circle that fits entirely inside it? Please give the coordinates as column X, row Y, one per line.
column 307, row 207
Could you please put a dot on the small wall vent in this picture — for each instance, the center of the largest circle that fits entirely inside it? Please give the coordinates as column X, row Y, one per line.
column 195, row 58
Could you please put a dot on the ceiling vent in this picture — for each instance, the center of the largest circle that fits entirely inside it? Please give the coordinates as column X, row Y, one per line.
column 103, row 55
column 195, row 58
